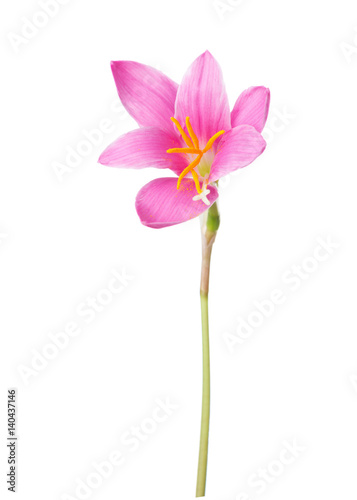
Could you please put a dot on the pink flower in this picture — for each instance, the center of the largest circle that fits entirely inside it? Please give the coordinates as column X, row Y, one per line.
column 188, row 129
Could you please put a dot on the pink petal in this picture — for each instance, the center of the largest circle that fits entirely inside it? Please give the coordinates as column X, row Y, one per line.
column 160, row 204
column 251, row 108
column 146, row 93
column 237, row 149
column 144, row 147
column 202, row 97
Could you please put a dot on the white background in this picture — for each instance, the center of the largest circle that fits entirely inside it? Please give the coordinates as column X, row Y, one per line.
column 294, row 377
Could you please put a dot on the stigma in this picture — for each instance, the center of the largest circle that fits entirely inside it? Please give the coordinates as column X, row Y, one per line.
column 193, row 148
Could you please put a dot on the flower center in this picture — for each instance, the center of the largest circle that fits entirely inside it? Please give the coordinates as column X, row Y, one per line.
column 193, row 148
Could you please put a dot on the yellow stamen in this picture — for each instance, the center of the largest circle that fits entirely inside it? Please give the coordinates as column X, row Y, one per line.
column 189, row 169
column 196, row 181
column 184, row 136
column 211, row 141
column 191, row 132
column 193, row 149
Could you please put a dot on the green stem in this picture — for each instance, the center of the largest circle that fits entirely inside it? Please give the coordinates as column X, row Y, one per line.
column 210, row 226
column 203, row 456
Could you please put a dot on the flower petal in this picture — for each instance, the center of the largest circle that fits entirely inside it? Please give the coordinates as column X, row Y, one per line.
column 146, row 93
column 202, row 97
column 144, row 147
column 251, row 108
column 160, row 204
column 237, row 149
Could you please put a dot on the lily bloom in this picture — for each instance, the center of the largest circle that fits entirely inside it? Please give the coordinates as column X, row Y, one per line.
column 188, row 129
